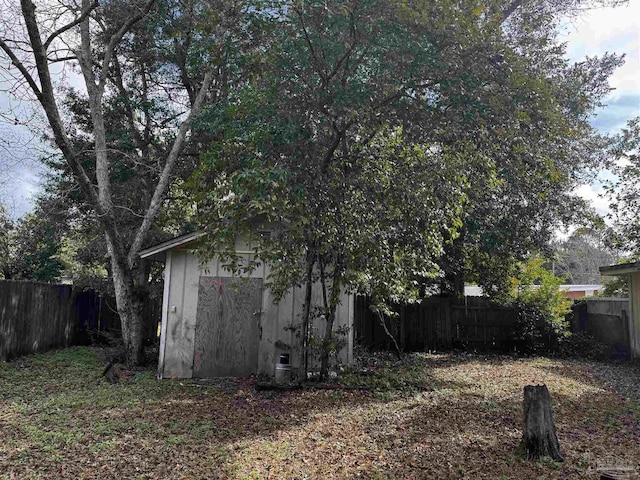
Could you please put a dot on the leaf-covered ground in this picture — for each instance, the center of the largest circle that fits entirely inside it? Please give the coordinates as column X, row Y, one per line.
column 436, row 417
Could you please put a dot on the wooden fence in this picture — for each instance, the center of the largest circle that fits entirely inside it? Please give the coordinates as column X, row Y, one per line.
column 35, row 317
column 438, row 324
column 606, row 319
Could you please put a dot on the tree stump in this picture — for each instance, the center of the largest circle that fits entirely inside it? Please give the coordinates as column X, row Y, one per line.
column 111, row 374
column 540, row 438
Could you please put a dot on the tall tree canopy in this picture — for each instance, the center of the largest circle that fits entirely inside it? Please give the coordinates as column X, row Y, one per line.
column 579, row 257
column 624, row 192
column 394, row 142
column 539, row 146
column 147, row 68
column 34, row 248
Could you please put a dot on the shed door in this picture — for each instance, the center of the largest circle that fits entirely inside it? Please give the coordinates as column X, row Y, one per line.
column 227, row 327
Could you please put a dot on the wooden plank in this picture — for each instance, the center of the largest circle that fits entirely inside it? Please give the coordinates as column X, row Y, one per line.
column 178, row 359
column 165, row 314
column 447, row 327
column 34, row 317
column 227, row 328
column 634, row 317
column 268, row 331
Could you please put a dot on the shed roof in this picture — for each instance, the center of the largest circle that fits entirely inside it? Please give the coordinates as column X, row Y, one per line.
column 621, row 269
column 158, row 252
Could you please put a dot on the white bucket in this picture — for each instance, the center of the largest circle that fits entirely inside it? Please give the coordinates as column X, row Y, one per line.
column 283, row 372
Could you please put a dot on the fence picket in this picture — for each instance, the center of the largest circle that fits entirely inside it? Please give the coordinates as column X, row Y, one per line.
column 35, row 317
column 440, row 323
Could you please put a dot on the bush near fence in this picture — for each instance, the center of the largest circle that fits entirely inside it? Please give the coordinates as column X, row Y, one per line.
column 35, row 317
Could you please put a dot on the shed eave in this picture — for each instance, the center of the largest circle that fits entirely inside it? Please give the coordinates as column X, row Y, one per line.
column 621, row 269
column 158, row 252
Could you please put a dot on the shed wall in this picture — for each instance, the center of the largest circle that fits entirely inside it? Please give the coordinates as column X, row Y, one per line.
column 634, row 324
column 278, row 322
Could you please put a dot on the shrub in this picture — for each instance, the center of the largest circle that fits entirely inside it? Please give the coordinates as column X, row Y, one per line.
column 533, row 332
column 583, row 345
column 542, row 323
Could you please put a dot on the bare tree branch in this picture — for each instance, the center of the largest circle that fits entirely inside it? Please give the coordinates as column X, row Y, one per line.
column 85, row 13
column 20, row 66
column 115, row 39
column 511, row 8
column 163, row 183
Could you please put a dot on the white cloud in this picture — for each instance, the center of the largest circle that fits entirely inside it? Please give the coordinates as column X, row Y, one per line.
column 594, row 196
column 594, row 33
column 609, row 29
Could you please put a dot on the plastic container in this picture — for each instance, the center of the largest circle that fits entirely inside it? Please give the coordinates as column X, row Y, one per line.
column 283, row 369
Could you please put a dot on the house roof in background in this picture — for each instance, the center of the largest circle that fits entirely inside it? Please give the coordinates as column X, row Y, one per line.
column 158, row 252
column 621, row 269
column 475, row 291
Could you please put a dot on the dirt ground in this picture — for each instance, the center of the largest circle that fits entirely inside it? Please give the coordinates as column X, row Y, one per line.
column 433, row 417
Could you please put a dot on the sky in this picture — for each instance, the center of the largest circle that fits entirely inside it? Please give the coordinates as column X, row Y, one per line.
column 609, row 30
column 593, row 33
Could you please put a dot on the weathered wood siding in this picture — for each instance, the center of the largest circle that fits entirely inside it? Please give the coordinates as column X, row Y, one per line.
column 278, row 323
column 634, row 317
column 227, row 327
column 35, row 317
column 179, row 333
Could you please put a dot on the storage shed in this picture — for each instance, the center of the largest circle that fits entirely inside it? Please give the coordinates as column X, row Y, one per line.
column 632, row 273
column 215, row 324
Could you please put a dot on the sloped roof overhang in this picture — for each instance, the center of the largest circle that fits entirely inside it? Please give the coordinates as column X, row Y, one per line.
column 621, row 269
column 159, row 252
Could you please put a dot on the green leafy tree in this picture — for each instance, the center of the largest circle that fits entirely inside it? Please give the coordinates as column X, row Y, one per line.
column 35, row 247
column 148, row 69
column 373, row 127
column 624, row 193
column 5, row 234
column 537, row 144
column 317, row 146
column 579, row 257
column 534, row 291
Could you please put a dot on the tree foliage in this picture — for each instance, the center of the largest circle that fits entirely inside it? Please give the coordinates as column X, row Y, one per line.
column 538, row 144
column 325, row 145
column 579, row 257
column 624, row 192
column 5, row 231
column 389, row 143
column 542, row 306
column 34, row 250
column 147, row 68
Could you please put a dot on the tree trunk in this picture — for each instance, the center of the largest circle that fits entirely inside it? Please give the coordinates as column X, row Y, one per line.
column 326, row 343
column 540, row 438
column 141, row 275
column 129, row 307
column 330, row 307
column 306, row 316
column 455, row 273
column 389, row 334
